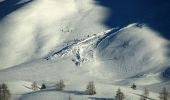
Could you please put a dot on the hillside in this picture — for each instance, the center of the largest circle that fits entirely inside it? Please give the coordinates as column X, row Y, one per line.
column 38, row 43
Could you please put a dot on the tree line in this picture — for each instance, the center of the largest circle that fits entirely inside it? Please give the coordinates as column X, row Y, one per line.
column 90, row 90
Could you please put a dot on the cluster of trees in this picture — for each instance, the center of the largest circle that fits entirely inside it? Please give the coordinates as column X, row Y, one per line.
column 90, row 90
column 163, row 95
column 59, row 86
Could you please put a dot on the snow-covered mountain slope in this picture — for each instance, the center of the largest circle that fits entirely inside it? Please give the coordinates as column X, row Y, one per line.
column 49, row 40
column 117, row 55
column 134, row 50
column 131, row 50
column 35, row 29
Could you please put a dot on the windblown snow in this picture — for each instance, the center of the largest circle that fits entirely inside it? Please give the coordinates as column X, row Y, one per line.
column 49, row 40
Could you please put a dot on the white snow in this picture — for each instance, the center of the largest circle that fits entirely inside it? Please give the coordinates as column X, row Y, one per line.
column 35, row 29
column 49, row 40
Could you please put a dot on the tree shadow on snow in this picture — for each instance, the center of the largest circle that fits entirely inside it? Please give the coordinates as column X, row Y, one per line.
column 75, row 92
column 43, row 90
column 154, row 13
column 9, row 6
column 97, row 98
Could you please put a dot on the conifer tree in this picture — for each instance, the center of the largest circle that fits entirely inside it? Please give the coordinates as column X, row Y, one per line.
column 4, row 92
column 90, row 90
column 133, row 86
column 164, row 94
column 119, row 95
column 43, row 86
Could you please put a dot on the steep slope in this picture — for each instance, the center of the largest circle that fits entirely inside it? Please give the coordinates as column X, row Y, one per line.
column 109, row 64
column 49, row 40
column 117, row 55
column 33, row 30
column 134, row 50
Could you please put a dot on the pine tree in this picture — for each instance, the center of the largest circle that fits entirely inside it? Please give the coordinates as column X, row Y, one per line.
column 164, row 94
column 43, row 86
column 119, row 95
column 4, row 92
column 90, row 90
column 34, row 86
column 60, row 85
column 133, row 86
column 145, row 94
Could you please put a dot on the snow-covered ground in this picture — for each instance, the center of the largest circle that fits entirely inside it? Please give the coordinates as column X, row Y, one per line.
column 49, row 40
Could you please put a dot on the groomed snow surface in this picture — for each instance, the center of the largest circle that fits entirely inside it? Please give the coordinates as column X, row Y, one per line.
column 38, row 43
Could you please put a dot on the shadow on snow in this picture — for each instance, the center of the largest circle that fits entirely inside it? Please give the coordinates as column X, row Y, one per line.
column 155, row 13
column 97, row 98
column 9, row 6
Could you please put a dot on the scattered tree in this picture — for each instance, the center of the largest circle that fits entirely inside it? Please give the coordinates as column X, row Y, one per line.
column 4, row 92
column 164, row 94
column 91, row 90
column 77, row 63
column 119, row 95
column 60, row 85
column 145, row 94
column 34, row 86
column 43, row 86
column 133, row 86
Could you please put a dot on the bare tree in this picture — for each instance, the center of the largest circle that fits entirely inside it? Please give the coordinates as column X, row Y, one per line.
column 119, row 95
column 34, row 86
column 164, row 94
column 60, row 85
column 145, row 94
column 4, row 92
column 91, row 90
